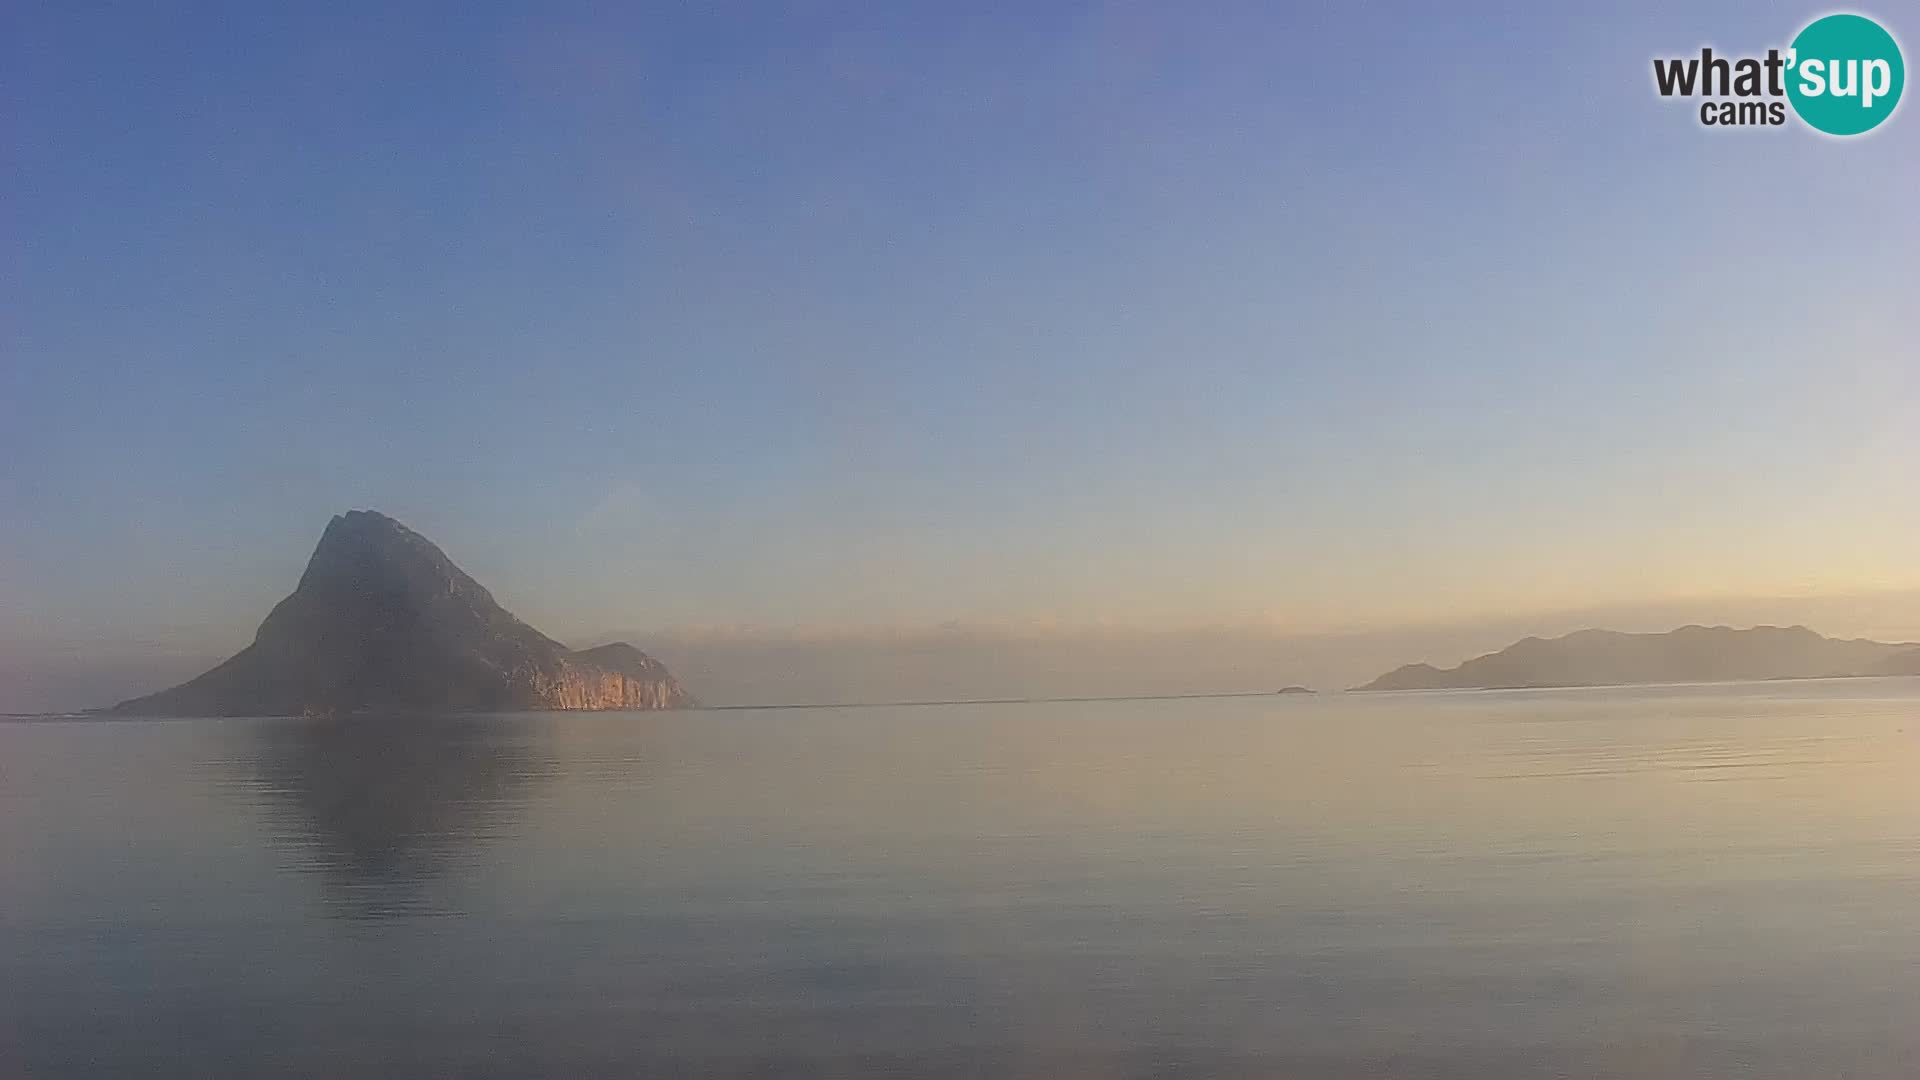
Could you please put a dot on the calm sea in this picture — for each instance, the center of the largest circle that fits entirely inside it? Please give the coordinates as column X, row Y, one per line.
column 1659, row 882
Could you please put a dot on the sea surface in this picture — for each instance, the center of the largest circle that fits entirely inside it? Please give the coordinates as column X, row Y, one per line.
column 1700, row 881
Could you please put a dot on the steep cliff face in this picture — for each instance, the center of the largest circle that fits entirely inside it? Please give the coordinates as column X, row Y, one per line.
column 382, row 619
column 616, row 676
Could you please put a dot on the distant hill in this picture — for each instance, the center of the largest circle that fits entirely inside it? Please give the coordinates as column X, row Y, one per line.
column 1900, row 663
column 382, row 619
column 1689, row 654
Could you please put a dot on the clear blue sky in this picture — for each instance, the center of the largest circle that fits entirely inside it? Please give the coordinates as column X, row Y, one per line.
column 833, row 315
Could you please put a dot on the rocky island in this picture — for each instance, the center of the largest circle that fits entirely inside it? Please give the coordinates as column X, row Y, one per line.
column 382, row 619
column 1689, row 654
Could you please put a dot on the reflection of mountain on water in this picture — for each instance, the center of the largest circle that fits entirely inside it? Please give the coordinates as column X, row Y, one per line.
column 383, row 807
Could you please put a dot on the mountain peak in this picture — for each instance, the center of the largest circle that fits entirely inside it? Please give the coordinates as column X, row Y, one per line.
column 360, row 531
column 359, row 539
column 367, row 518
column 382, row 619
column 363, row 527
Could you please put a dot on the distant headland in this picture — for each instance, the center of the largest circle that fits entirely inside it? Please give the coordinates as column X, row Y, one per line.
column 382, row 619
column 1689, row 654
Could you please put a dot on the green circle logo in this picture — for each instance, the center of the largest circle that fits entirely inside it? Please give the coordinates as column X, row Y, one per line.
column 1845, row 74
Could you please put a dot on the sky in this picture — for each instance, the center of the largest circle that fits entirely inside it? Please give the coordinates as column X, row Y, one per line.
column 862, row 324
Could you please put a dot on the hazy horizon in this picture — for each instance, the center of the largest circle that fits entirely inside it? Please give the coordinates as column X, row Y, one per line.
column 1148, row 349
column 757, row 665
